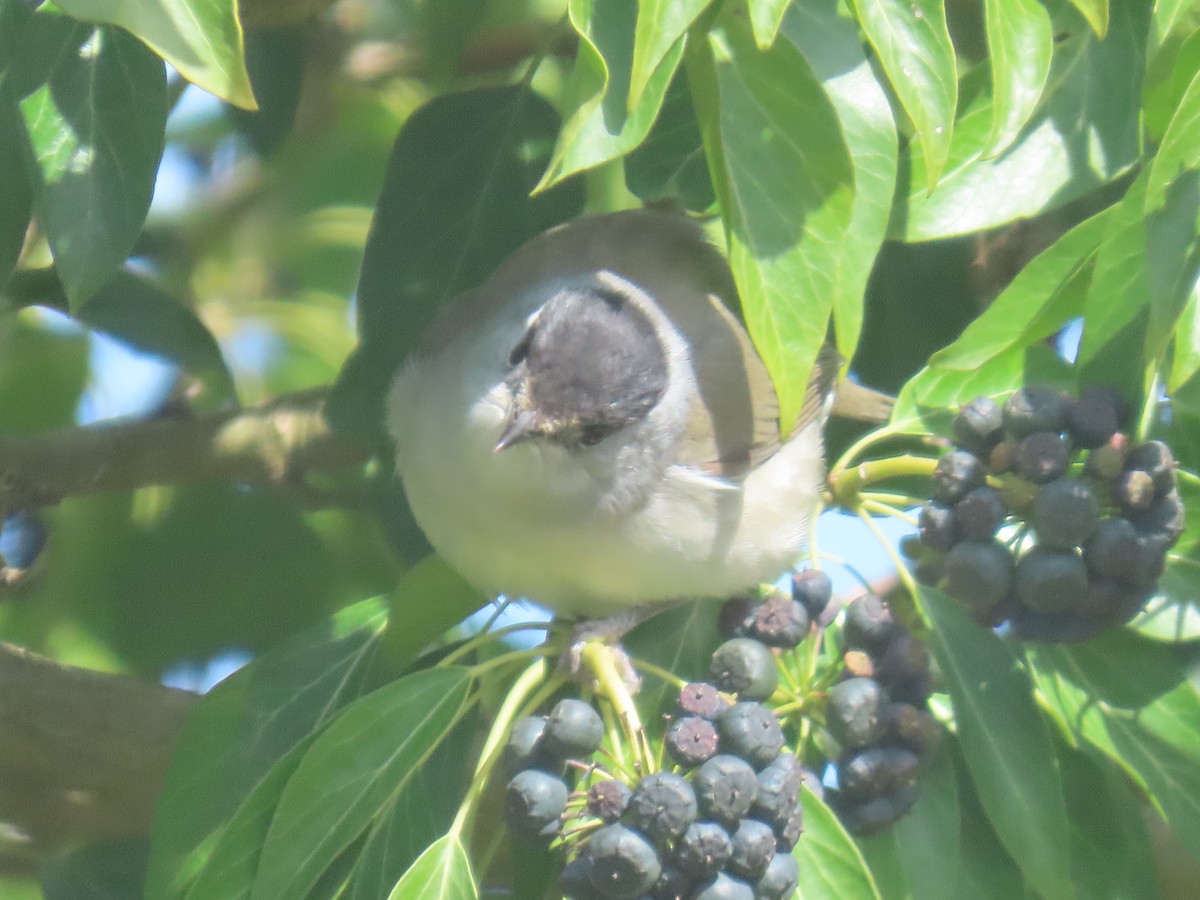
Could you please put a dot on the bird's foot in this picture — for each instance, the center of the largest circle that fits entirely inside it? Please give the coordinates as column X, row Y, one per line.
column 608, row 631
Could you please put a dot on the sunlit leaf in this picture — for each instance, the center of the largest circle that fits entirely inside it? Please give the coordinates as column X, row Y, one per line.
column 660, row 25
column 914, row 49
column 97, row 131
column 1096, row 13
column 830, row 43
column 1021, row 42
column 785, row 182
column 202, row 40
column 443, row 872
column 830, row 862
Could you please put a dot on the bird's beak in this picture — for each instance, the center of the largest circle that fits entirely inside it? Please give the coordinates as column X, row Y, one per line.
column 522, row 424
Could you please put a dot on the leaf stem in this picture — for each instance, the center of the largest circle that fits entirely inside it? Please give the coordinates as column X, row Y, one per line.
column 846, row 484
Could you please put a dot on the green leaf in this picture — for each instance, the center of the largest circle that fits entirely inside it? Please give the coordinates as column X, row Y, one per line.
column 830, row 43
column 1173, row 222
column 366, row 756
column 660, row 25
column 1085, row 133
column 238, row 732
column 228, row 874
column 431, row 598
column 1045, row 294
column 604, row 120
column 15, row 187
column 1116, row 311
column 1185, row 361
column 1164, row 763
column 455, row 202
column 766, row 17
column 670, row 163
column 443, row 872
column 96, row 128
column 421, row 813
column 1096, row 13
column 928, row 838
column 914, row 49
column 143, row 315
column 1005, row 742
column 830, row 862
column 1110, row 849
column 988, row 872
column 1174, row 58
column 1020, row 44
column 784, row 178
column 202, row 40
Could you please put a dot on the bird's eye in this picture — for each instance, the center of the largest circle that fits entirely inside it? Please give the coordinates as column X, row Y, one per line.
column 521, row 350
column 591, row 435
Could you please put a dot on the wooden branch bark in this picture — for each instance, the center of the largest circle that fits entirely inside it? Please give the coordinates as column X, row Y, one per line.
column 271, row 443
column 83, row 754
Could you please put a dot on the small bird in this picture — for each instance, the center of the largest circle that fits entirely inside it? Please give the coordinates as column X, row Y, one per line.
column 591, row 428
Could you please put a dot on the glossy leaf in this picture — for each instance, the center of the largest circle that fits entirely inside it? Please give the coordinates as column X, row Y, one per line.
column 1174, row 57
column 1020, row 43
column 455, row 202
column 443, row 872
column 785, row 182
column 96, row 127
column 604, row 120
column 766, row 16
column 830, row 43
column 1186, row 355
column 660, row 25
column 1005, row 742
column 366, row 756
column 1085, row 133
column 430, row 599
column 243, row 727
column 830, row 862
column 1097, row 14
column 914, row 49
column 202, row 40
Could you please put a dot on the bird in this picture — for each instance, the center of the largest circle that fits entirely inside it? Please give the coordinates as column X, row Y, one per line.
column 591, row 427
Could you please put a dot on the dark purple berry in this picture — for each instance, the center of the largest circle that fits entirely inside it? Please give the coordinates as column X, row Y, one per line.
column 813, row 589
column 978, row 573
column 1164, row 519
column 1156, row 460
column 746, row 667
column 914, row 729
column 725, row 788
column 623, row 863
column 1033, row 408
column 1112, row 550
column 699, row 698
column 751, row 731
column 662, row 806
column 733, row 619
column 703, row 850
column 780, row 879
column 608, row 799
column 876, row 770
column 1051, row 580
column 1091, row 420
column 724, row 887
column 956, row 473
column 877, row 813
column 937, row 527
column 1065, row 513
column 753, row 849
column 779, row 621
column 573, row 729
column 691, row 740
column 523, row 748
column 1134, row 491
column 980, row 514
column 870, row 623
column 1041, row 457
column 979, row 425
column 854, row 715
column 533, row 800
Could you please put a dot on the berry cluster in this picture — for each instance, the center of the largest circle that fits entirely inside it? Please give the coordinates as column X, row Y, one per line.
column 1104, row 514
column 877, row 715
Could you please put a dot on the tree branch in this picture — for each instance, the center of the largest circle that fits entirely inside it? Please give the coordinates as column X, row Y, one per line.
column 83, row 754
column 272, row 443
